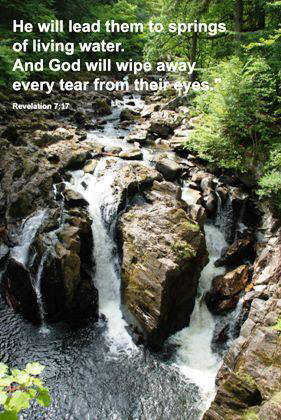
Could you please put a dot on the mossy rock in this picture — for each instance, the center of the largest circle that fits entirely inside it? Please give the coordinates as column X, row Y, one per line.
column 22, row 206
column 251, row 414
column 183, row 251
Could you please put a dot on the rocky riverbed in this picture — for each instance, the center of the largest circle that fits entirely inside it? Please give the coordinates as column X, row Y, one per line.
column 156, row 205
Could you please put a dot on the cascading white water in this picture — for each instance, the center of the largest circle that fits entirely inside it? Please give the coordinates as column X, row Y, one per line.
column 29, row 228
column 224, row 218
column 21, row 254
column 194, row 356
column 103, row 210
column 37, row 288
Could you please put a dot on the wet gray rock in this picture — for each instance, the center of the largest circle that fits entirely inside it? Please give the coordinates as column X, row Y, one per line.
column 102, row 106
column 17, row 290
column 175, row 103
column 66, row 284
column 128, row 115
column 240, row 250
column 149, row 109
column 74, row 199
column 80, row 116
column 207, row 184
column 169, row 169
column 4, row 252
column 90, row 167
column 160, row 271
column 163, row 123
column 114, row 150
column 134, row 154
column 210, row 201
column 76, row 160
column 139, row 136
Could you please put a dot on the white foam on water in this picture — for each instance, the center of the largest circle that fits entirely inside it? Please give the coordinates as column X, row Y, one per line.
column 29, row 229
column 102, row 209
column 37, row 288
column 194, row 356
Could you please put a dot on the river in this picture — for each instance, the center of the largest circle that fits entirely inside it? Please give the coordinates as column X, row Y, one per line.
column 95, row 371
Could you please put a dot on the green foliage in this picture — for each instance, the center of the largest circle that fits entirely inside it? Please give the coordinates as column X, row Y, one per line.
column 250, row 414
column 121, row 11
column 183, row 251
column 19, row 387
column 236, row 117
column 277, row 326
column 35, row 11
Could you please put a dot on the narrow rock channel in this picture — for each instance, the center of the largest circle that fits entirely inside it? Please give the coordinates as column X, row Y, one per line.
column 132, row 255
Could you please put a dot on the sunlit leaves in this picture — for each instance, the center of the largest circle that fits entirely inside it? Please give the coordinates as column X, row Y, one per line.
column 3, row 369
column 3, row 397
column 34, row 368
column 18, row 401
column 9, row 415
column 44, row 398
column 6, row 380
column 19, row 387
column 21, row 377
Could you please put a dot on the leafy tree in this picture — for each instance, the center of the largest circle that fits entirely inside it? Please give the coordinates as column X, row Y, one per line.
column 237, row 126
column 19, row 387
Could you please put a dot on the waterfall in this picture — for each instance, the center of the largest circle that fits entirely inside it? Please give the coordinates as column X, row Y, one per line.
column 103, row 211
column 224, row 217
column 234, row 321
column 194, row 355
column 37, row 288
column 29, row 229
column 241, row 227
column 21, row 253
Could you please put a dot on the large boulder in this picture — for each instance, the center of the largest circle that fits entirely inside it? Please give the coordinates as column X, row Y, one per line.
column 17, row 290
column 224, row 294
column 169, row 169
column 175, row 103
column 149, row 109
column 58, row 267
column 163, row 123
column 134, row 154
column 241, row 250
column 65, row 278
column 76, row 160
column 163, row 254
column 231, row 283
column 132, row 179
column 74, row 199
column 139, row 136
column 128, row 114
column 101, row 106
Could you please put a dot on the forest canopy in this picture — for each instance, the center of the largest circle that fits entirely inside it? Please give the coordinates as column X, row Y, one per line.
column 239, row 121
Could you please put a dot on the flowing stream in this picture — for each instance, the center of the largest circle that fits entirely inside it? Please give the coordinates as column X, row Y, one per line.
column 194, row 356
column 103, row 211
column 95, row 371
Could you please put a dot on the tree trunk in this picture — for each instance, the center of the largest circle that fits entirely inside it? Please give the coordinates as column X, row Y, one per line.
column 260, row 12
column 238, row 19
column 193, row 53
